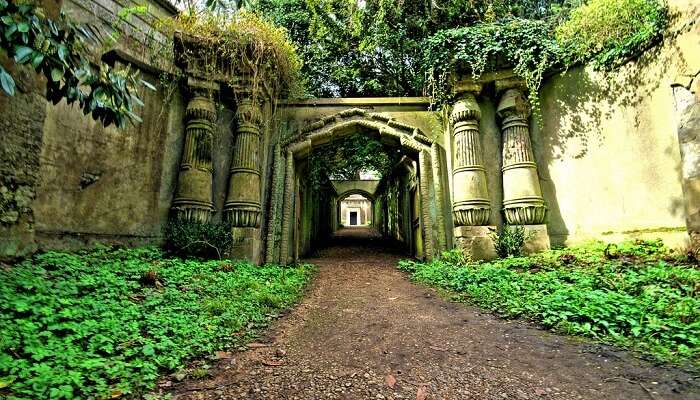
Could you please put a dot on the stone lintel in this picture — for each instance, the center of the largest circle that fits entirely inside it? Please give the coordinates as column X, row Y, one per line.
column 476, row 241
column 202, row 84
column 468, row 86
column 512, row 82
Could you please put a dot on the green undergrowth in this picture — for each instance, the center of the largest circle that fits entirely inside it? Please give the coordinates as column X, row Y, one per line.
column 637, row 295
column 105, row 323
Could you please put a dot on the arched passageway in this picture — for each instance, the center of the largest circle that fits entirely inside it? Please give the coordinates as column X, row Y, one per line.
column 404, row 204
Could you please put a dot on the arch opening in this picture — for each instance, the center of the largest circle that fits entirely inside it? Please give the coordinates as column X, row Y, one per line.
column 396, row 201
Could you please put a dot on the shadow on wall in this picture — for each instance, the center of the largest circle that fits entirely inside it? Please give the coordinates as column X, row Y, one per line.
column 580, row 107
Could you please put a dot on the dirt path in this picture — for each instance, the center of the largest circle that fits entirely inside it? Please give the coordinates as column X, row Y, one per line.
column 365, row 332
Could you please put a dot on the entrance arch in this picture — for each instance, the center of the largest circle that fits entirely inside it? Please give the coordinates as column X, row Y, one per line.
column 283, row 237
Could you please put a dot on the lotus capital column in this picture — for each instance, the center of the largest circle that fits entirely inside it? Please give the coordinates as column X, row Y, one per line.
column 243, row 205
column 193, row 199
column 471, row 205
column 523, row 203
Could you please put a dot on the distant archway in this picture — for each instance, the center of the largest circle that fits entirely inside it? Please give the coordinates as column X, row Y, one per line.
column 288, row 189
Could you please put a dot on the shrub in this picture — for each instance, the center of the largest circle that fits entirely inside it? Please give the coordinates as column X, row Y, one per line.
column 509, row 241
column 197, row 239
column 610, row 31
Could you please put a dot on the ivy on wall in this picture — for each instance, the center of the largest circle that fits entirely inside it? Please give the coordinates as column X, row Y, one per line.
column 59, row 50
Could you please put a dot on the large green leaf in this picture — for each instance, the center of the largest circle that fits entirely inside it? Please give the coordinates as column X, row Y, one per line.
column 7, row 83
column 22, row 54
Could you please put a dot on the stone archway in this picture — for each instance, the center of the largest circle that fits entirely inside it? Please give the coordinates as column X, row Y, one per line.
column 423, row 150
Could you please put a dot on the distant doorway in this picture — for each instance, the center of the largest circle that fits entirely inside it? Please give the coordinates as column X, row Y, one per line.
column 353, row 218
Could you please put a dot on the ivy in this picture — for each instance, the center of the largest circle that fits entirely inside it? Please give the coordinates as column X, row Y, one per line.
column 59, row 50
column 528, row 46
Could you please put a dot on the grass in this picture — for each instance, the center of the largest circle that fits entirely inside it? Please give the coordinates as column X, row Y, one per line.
column 105, row 323
column 637, row 295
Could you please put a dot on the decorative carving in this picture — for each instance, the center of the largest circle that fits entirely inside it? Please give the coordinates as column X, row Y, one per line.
column 193, row 199
column 424, row 162
column 243, row 206
column 522, row 197
column 471, row 205
column 288, row 206
column 439, row 196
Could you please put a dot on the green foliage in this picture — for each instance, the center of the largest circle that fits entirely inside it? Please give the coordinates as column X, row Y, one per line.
column 611, row 31
column 105, row 323
column 509, row 241
column 242, row 44
column 197, row 239
column 347, row 157
column 404, row 48
column 638, row 296
column 59, row 51
column 526, row 45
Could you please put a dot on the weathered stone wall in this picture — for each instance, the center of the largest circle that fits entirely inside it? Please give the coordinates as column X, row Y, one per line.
column 65, row 179
column 607, row 147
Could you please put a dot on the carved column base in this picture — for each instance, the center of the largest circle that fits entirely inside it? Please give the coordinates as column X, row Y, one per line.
column 246, row 245
column 525, row 213
column 476, row 242
column 192, row 210
column 536, row 239
column 471, row 213
column 243, row 215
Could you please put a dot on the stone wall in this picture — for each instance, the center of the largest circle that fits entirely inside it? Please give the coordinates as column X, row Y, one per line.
column 65, row 179
column 607, row 146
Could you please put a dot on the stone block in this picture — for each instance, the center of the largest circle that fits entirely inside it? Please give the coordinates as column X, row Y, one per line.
column 246, row 245
column 536, row 238
column 476, row 241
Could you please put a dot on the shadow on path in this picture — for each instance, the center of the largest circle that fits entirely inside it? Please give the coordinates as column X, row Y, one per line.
column 365, row 332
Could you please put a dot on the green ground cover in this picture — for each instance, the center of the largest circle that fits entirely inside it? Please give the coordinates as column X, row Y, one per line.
column 104, row 323
column 637, row 295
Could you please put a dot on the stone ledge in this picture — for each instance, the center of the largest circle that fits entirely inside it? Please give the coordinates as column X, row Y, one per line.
column 476, row 241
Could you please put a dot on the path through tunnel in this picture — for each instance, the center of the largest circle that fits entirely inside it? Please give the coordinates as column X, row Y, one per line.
column 359, row 171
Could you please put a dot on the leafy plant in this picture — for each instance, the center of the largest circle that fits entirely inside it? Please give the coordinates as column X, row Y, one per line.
column 197, row 239
column 244, row 45
column 509, row 240
column 59, row 50
column 88, row 325
column 646, row 298
column 611, row 31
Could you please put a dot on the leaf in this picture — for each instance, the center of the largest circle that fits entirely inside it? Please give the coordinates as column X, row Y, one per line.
column 7, row 83
column 23, row 27
column 22, row 54
column 37, row 59
column 56, row 74
column 390, row 381
column 148, row 84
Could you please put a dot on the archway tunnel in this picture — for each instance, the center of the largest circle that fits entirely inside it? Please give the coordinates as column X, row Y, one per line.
column 357, row 173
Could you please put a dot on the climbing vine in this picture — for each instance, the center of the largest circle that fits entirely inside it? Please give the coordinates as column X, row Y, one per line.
column 59, row 50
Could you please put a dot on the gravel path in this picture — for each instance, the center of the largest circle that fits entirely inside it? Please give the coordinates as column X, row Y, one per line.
column 365, row 332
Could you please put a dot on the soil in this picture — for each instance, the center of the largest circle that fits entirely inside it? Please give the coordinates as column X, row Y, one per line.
column 364, row 331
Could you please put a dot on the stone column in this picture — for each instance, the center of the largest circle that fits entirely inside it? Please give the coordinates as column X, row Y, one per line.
column 471, row 205
column 193, row 199
column 243, row 205
column 523, row 203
